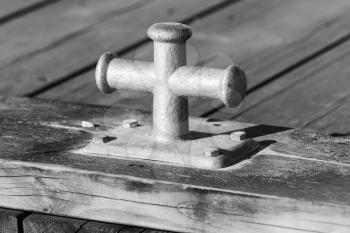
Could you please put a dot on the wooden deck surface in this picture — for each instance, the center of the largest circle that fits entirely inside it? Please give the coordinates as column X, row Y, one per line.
column 296, row 55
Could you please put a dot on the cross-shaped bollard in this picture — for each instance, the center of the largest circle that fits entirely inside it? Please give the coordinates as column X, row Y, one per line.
column 170, row 80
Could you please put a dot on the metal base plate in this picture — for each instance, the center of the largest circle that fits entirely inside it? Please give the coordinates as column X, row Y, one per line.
column 138, row 143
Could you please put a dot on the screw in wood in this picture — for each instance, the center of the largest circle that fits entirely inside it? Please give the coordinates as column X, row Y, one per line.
column 212, row 151
column 130, row 123
column 238, row 136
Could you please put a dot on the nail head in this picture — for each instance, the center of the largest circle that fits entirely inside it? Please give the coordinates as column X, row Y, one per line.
column 238, row 136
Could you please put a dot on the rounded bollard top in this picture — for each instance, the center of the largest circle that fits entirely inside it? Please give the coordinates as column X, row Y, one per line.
column 234, row 86
column 101, row 73
column 171, row 32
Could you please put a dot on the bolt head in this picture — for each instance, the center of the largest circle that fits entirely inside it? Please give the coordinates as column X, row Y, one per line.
column 103, row 139
column 238, row 136
column 130, row 123
column 87, row 124
column 212, row 151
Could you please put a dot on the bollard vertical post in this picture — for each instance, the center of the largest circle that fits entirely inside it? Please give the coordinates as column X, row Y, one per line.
column 170, row 111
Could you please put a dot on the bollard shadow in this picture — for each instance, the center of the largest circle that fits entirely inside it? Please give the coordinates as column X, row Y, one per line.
column 194, row 135
column 263, row 130
column 252, row 132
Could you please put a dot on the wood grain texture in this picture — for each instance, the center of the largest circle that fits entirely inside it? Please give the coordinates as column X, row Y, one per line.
column 337, row 121
column 52, row 24
column 9, row 7
column 99, row 227
column 11, row 220
column 74, row 37
column 291, row 185
column 46, row 223
column 314, row 96
column 131, row 230
column 251, row 33
column 40, row 223
column 153, row 231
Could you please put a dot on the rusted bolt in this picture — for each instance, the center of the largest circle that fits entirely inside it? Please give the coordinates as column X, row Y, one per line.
column 212, row 151
column 130, row 123
column 238, row 136
column 103, row 139
column 87, row 124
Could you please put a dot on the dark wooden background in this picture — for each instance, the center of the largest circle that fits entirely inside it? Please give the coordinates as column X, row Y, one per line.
column 296, row 54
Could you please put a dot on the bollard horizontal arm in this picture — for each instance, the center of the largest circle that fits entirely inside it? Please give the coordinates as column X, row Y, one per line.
column 113, row 73
column 228, row 85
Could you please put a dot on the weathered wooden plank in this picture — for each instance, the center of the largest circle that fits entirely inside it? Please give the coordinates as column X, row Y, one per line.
column 131, row 230
column 47, row 223
column 11, row 220
column 251, row 33
column 56, row 22
column 40, row 223
column 79, row 37
column 10, row 7
column 99, row 227
column 307, row 97
column 292, row 185
column 336, row 121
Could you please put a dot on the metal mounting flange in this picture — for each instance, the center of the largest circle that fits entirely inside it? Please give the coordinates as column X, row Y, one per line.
column 210, row 145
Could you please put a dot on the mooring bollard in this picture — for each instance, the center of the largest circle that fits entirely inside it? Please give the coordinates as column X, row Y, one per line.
column 171, row 81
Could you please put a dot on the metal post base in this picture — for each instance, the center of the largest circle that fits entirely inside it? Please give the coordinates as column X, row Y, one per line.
column 206, row 146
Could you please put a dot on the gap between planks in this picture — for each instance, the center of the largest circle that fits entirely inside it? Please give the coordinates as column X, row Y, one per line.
column 63, row 20
column 12, row 9
column 30, row 67
column 17, row 221
column 127, row 49
column 286, row 71
column 321, row 103
column 262, row 66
